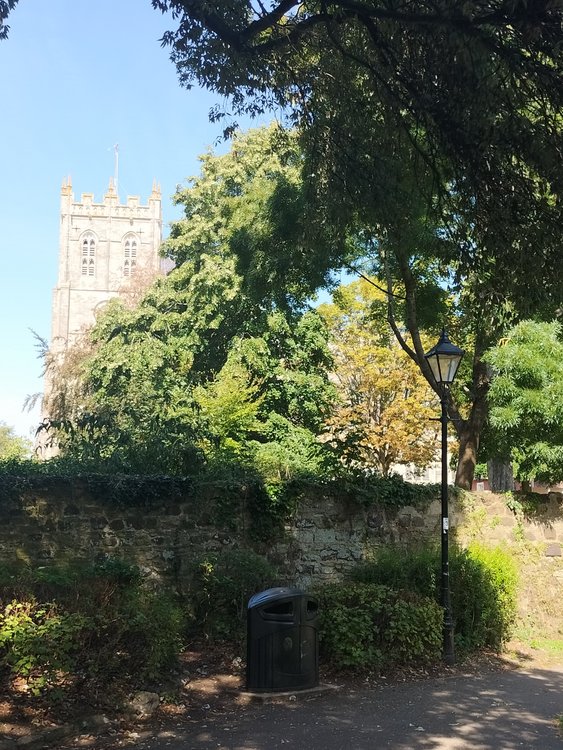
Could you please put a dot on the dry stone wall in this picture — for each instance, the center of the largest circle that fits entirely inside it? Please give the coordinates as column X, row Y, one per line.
column 56, row 521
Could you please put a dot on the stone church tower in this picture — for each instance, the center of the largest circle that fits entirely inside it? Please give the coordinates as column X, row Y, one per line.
column 106, row 250
column 102, row 247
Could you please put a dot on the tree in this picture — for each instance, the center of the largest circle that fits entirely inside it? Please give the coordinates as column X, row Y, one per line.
column 526, row 397
column 386, row 405
column 5, row 7
column 177, row 384
column 473, row 88
column 431, row 140
column 199, row 372
column 11, row 445
column 431, row 144
column 247, row 204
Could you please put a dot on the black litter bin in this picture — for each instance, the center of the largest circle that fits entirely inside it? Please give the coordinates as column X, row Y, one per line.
column 282, row 646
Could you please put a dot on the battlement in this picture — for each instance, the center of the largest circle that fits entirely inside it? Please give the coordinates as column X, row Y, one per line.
column 87, row 204
column 103, row 247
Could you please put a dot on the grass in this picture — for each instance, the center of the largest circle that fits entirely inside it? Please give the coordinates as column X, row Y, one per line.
column 553, row 646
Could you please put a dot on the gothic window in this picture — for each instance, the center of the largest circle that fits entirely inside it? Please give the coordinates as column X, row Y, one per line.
column 130, row 246
column 88, row 254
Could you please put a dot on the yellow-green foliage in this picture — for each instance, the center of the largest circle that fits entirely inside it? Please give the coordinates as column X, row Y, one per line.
column 483, row 583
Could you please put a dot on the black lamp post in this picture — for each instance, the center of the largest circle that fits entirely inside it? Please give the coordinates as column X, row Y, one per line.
column 444, row 360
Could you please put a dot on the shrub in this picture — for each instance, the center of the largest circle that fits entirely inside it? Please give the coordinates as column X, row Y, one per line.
column 484, row 606
column 93, row 621
column 362, row 624
column 482, row 586
column 409, row 570
column 224, row 583
column 40, row 642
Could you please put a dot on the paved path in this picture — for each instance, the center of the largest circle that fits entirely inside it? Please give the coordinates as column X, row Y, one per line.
column 495, row 711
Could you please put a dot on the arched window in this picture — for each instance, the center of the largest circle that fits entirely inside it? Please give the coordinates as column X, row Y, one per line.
column 88, row 243
column 130, row 245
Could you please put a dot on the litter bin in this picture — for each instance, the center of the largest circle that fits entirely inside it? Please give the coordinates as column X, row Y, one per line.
column 282, row 645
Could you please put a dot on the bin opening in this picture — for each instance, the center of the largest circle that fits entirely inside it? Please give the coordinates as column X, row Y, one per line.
column 280, row 609
column 312, row 607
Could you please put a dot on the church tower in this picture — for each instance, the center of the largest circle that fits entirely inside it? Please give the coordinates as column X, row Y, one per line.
column 102, row 247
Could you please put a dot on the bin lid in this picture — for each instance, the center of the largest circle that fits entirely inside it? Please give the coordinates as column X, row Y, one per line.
column 276, row 594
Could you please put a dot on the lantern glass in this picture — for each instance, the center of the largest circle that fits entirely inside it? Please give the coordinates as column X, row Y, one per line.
column 444, row 360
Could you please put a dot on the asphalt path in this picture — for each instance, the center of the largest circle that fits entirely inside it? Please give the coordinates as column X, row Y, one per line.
column 502, row 710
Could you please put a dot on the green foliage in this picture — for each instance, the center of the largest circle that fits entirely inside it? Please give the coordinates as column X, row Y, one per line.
column 525, row 505
column 402, row 155
column 5, row 7
column 526, row 400
column 248, row 203
column 88, row 622
column 290, row 452
column 11, row 445
column 39, row 642
column 367, row 625
column 200, row 374
column 402, row 570
column 392, row 492
column 485, row 596
column 482, row 585
column 463, row 97
column 106, row 481
column 225, row 581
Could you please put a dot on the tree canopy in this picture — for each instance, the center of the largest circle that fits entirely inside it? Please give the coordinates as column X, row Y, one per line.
column 200, row 372
column 526, row 397
column 431, row 138
column 463, row 99
column 384, row 417
column 11, row 445
column 5, row 7
column 248, row 204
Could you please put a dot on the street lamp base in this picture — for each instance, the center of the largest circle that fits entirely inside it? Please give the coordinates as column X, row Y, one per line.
column 448, row 653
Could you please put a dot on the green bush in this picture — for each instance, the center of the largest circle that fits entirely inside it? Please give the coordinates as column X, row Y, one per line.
column 482, row 586
column 39, row 641
column 415, row 570
column 94, row 621
column 484, row 581
column 224, row 583
column 362, row 624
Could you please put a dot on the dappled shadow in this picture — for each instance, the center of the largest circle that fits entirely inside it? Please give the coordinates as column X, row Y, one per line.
column 498, row 710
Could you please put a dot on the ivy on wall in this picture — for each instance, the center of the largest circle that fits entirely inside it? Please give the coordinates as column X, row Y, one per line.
column 223, row 501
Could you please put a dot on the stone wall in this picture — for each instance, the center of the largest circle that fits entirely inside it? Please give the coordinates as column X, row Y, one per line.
column 330, row 535
column 62, row 520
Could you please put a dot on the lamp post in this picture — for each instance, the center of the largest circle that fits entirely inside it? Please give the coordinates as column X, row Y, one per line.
column 444, row 359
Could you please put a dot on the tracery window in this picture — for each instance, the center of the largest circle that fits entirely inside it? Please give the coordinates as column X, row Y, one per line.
column 88, row 254
column 129, row 255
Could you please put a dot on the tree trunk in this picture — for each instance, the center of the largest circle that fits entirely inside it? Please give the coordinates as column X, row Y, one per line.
column 469, row 430
column 467, row 459
column 501, row 476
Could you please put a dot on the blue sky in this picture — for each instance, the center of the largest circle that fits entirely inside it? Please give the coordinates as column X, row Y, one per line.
column 77, row 78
